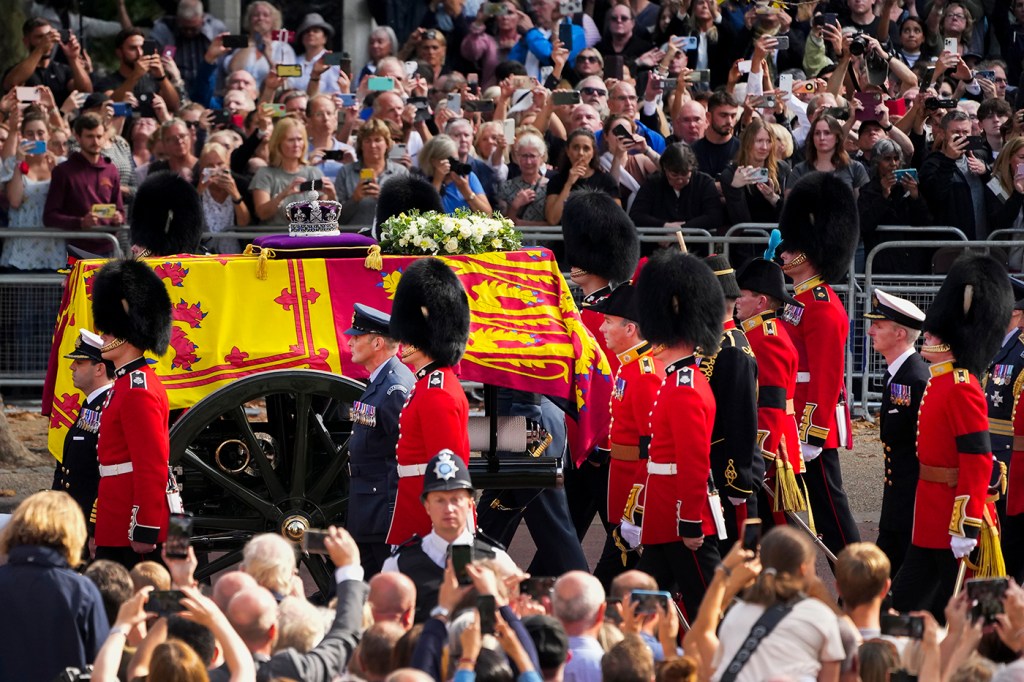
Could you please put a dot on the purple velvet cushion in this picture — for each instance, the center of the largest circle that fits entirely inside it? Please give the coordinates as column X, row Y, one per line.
column 346, row 245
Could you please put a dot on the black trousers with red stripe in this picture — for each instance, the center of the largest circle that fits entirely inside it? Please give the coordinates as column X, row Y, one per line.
column 832, row 517
column 679, row 569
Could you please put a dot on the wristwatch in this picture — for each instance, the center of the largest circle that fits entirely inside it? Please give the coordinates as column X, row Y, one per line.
column 439, row 612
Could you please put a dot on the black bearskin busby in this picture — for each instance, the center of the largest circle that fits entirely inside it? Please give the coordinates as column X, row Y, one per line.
column 167, row 216
column 680, row 301
column 819, row 218
column 599, row 236
column 431, row 311
column 130, row 302
column 971, row 311
column 404, row 194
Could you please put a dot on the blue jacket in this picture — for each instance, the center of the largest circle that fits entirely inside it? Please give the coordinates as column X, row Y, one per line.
column 654, row 139
column 535, row 42
column 53, row 617
column 374, row 481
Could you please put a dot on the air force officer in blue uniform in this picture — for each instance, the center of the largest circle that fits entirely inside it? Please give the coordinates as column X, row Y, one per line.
column 374, row 471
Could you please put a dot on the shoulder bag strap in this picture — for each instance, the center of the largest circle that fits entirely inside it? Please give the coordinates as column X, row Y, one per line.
column 762, row 628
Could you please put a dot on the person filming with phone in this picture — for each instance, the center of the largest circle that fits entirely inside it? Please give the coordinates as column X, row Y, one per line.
column 448, row 500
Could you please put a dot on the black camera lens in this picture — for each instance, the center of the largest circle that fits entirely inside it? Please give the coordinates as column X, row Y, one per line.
column 859, row 46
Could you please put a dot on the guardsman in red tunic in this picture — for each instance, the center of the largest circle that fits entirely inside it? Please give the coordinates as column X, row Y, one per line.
column 680, row 308
column 736, row 462
column 602, row 249
column 430, row 317
column 132, row 310
column 762, row 294
column 819, row 233
column 636, row 383
column 962, row 331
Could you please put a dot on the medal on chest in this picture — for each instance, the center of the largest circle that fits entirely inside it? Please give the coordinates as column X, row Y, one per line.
column 792, row 313
column 899, row 394
column 620, row 388
column 363, row 414
column 1002, row 375
column 89, row 420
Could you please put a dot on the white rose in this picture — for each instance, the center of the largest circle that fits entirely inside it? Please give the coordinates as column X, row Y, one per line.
column 452, row 245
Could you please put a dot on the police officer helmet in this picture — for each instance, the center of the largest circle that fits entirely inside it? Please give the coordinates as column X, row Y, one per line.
column 446, row 471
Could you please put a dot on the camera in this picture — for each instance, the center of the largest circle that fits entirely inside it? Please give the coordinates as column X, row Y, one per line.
column 74, row 674
column 459, row 168
column 859, row 45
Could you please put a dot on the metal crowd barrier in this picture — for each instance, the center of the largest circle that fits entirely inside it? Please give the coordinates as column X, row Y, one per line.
column 29, row 302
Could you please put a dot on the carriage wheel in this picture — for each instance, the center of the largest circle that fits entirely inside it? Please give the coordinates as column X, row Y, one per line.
column 267, row 453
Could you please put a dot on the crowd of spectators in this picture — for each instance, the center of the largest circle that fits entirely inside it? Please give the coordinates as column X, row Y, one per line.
column 158, row 623
column 689, row 112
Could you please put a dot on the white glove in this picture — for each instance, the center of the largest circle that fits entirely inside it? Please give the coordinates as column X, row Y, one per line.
column 737, row 501
column 630, row 533
column 962, row 546
column 810, row 452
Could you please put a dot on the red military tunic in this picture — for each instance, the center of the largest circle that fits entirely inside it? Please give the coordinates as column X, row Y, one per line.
column 952, row 435
column 777, row 366
column 819, row 331
column 435, row 416
column 1015, row 475
column 132, row 505
column 636, row 385
column 593, row 321
column 676, row 502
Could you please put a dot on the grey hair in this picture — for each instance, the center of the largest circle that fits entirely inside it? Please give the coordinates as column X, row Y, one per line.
column 390, row 33
column 270, row 559
column 581, row 605
column 190, row 9
column 885, row 147
column 437, row 148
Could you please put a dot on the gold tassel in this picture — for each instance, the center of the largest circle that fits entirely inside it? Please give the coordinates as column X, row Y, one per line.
column 374, row 261
column 1002, row 478
column 786, row 489
column 990, row 554
column 263, row 254
column 810, row 511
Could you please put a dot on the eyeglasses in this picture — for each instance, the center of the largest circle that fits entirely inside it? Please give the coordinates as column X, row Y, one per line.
column 177, row 138
column 593, row 92
column 956, row 15
column 626, row 98
column 620, row 19
column 588, row 58
column 1001, row 81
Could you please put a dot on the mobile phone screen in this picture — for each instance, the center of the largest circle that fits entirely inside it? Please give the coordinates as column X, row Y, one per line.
column 462, row 555
column 485, row 604
column 179, row 533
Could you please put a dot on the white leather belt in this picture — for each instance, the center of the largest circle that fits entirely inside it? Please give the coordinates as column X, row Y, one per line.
column 803, row 377
column 660, row 469
column 115, row 469
column 411, row 470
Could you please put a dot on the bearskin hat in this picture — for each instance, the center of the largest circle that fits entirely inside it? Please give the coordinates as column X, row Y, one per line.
column 680, row 301
column 431, row 311
column 130, row 302
column 404, row 194
column 971, row 311
column 599, row 236
column 820, row 218
column 167, row 215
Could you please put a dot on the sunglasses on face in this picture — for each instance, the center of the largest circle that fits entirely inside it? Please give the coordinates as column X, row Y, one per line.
column 587, row 58
column 593, row 92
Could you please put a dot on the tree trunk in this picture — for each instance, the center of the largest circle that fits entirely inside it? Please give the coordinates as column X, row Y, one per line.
column 12, row 451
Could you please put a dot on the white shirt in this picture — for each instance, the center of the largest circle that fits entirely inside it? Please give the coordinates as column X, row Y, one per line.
column 898, row 362
column 436, row 548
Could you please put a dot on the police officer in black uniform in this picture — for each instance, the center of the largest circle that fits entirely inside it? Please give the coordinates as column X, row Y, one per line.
column 448, row 500
column 373, row 480
column 895, row 328
column 78, row 472
column 736, row 461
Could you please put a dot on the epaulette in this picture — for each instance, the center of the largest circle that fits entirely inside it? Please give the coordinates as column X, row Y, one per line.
column 821, row 293
column 397, row 387
column 647, row 365
column 961, row 376
column 435, row 379
column 411, row 542
column 770, row 328
column 684, row 377
column 727, row 336
column 138, row 379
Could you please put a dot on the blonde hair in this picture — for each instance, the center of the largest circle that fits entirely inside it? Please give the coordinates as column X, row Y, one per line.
column 49, row 518
column 1003, row 168
column 150, row 574
column 497, row 126
column 275, row 14
column 861, row 573
column 437, row 148
column 747, row 146
column 175, row 661
column 215, row 148
column 782, row 135
column 282, row 128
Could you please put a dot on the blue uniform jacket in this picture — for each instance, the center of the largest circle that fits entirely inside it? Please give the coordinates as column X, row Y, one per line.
column 374, row 481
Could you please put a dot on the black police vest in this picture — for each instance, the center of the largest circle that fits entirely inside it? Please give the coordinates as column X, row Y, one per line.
column 414, row 562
